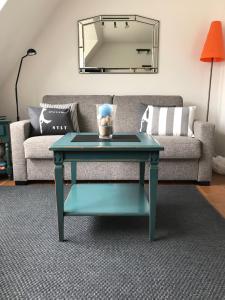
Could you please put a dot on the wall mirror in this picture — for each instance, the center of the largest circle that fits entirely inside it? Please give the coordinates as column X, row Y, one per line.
column 118, row 44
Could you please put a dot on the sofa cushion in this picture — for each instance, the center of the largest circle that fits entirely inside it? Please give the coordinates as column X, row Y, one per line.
column 86, row 109
column 73, row 111
column 38, row 146
column 130, row 109
column 175, row 147
column 50, row 121
column 179, row 147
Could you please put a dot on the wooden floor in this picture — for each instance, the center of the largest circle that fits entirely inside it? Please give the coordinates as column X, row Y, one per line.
column 214, row 194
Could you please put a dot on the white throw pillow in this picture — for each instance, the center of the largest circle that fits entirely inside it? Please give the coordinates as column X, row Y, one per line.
column 73, row 111
column 176, row 121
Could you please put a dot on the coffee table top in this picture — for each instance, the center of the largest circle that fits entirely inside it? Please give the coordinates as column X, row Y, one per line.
column 66, row 143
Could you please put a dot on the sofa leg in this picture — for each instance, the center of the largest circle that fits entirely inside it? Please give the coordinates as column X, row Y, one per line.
column 204, row 183
column 20, row 182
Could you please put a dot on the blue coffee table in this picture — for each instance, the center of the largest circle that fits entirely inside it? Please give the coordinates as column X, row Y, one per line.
column 103, row 199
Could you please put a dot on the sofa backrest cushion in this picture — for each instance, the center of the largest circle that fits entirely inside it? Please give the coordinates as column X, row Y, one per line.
column 86, row 109
column 130, row 109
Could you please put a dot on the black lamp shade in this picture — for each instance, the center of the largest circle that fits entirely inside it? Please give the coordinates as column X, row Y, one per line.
column 31, row 52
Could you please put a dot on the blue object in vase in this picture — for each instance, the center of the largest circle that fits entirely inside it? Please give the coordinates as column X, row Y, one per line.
column 105, row 110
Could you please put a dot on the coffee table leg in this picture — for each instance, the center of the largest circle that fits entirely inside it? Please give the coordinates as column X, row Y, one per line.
column 142, row 172
column 153, row 183
column 59, row 186
column 73, row 172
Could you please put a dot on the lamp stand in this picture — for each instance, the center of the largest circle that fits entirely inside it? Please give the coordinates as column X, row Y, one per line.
column 30, row 52
column 16, row 92
column 209, row 94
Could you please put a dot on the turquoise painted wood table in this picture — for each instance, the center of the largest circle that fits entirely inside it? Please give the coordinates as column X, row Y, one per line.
column 103, row 199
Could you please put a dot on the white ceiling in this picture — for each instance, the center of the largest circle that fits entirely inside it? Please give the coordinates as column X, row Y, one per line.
column 21, row 21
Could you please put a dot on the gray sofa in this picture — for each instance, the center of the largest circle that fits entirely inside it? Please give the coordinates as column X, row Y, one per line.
column 184, row 158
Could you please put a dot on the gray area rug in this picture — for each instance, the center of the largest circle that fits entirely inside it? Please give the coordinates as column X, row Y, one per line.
column 110, row 257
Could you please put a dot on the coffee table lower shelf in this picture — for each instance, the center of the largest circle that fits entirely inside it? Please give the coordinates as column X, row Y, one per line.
column 106, row 200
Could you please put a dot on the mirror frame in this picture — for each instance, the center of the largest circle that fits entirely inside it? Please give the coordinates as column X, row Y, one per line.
column 116, row 18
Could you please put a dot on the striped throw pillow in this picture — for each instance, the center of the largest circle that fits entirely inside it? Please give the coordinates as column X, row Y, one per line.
column 73, row 111
column 177, row 121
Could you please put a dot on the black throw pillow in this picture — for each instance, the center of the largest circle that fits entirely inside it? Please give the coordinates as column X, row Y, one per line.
column 49, row 121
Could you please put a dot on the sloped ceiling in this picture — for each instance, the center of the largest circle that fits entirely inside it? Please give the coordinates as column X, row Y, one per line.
column 21, row 21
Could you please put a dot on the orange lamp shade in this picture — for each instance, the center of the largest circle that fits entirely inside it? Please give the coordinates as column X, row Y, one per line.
column 213, row 49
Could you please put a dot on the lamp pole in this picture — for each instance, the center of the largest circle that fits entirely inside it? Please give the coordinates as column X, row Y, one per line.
column 209, row 94
column 213, row 51
column 30, row 52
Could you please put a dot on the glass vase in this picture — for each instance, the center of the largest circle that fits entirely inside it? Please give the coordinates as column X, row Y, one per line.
column 106, row 119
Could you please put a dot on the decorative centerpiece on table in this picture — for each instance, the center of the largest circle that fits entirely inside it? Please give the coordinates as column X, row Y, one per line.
column 105, row 119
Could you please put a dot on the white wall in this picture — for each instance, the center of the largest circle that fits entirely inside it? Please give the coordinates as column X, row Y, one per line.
column 92, row 41
column 20, row 23
column 183, row 28
column 121, row 55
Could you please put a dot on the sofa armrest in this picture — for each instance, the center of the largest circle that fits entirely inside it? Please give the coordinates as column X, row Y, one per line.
column 205, row 132
column 19, row 132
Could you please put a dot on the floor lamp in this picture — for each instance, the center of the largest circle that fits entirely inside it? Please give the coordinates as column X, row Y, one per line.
column 30, row 52
column 213, row 51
